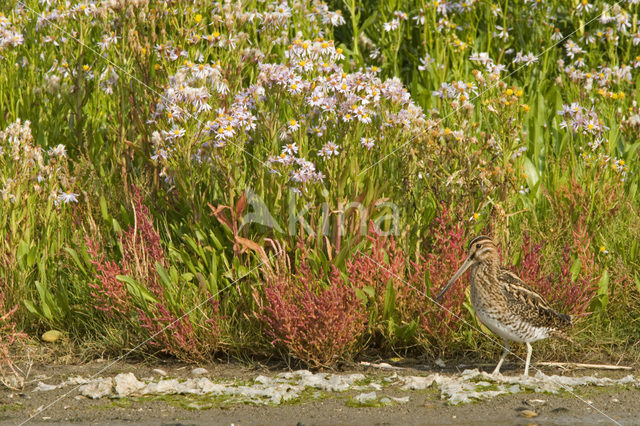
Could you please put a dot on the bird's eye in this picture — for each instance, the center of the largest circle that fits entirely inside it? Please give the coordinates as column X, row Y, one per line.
column 477, row 246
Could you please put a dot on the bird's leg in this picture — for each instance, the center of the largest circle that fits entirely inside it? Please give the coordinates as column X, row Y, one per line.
column 504, row 355
column 526, row 365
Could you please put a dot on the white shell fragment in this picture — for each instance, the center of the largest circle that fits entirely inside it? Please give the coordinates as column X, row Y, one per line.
column 470, row 385
column 199, row 371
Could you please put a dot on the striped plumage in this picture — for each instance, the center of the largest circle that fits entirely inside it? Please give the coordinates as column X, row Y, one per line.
column 504, row 303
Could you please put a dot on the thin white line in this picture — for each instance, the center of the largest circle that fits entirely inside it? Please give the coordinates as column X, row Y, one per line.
column 490, row 337
column 133, row 77
column 32, row 416
column 484, row 91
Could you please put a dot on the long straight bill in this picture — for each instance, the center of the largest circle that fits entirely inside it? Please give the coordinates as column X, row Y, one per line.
column 467, row 263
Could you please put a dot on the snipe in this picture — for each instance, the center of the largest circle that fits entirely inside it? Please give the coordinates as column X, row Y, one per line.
column 504, row 303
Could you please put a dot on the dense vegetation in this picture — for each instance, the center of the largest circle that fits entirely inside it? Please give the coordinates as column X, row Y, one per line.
column 252, row 178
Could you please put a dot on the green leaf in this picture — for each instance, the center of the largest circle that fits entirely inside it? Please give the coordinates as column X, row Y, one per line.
column 388, row 308
column 370, row 20
column 163, row 276
column 575, row 270
column 23, row 248
column 613, row 137
column 360, row 295
column 103, row 209
column 45, row 308
column 136, row 290
column 406, row 332
column 31, row 257
column 369, row 291
column 603, row 284
column 531, row 172
column 601, row 300
column 76, row 259
column 31, row 307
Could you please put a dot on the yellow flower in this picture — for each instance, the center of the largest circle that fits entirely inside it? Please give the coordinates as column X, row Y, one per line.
column 509, row 92
column 198, row 18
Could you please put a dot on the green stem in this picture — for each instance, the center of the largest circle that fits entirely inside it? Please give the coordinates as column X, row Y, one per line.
column 355, row 17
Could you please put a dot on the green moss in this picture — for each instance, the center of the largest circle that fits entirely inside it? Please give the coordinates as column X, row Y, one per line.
column 117, row 403
column 10, row 407
column 485, row 388
column 351, row 402
column 307, row 395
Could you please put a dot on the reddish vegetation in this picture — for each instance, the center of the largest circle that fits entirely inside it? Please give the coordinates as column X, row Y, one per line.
column 317, row 319
column 443, row 260
column 8, row 335
column 396, row 296
column 141, row 249
column 387, row 264
column 172, row 332
column 558, row 289
column 110, row 294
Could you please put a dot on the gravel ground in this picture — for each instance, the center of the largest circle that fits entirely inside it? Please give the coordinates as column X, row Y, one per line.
column 618, row 403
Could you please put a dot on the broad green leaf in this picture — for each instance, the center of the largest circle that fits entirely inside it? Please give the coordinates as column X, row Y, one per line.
column 603, row 284
column 76, row 259
column 531, row 172
column 103, row 209
column 389, row 301
column 369, row 291
column 575, row 270
column 136, row 290
column 163, row 275
column 31, row 307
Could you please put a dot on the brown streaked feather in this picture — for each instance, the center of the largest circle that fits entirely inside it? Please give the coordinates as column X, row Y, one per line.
column 530, row 306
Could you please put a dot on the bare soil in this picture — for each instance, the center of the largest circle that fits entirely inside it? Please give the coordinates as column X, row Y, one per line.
column 620, row 404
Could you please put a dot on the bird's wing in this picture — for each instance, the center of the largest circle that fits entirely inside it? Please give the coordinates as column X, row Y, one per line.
column 529, row 305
